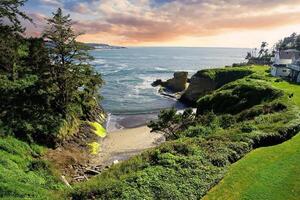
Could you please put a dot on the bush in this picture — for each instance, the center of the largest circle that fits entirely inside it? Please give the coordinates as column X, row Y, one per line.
column 227, row 120
column 247, row 128
column 238, row 96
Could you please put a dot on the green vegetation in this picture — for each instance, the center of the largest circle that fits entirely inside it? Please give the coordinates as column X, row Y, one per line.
column 23, row 175
column 94, row 148
column 266, row 173
column 46, row 84
column 47, row 89
column 224, row 75
column 98, row 129
column 262, row 57
column 237, row 96
column 203, row 146
column 100, row 132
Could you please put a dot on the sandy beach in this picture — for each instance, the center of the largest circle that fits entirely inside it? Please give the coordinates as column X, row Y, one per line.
column 125, row 143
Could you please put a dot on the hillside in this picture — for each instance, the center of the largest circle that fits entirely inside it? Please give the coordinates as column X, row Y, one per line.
column 259, row 113
column 266, row 173
column 218, row 147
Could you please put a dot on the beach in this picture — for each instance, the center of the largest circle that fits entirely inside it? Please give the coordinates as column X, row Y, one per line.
column 124, row 143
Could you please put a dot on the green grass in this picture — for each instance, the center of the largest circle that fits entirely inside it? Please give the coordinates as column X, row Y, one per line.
column 269, row 173
column 187, row 167
column 22, row 174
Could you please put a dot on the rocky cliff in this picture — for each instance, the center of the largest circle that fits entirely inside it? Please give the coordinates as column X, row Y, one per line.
column 176, row 84
column 205, row 81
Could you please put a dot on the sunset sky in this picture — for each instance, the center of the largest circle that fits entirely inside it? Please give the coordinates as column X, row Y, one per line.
column 205, row 23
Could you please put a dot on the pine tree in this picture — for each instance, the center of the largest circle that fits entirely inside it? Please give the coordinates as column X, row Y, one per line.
column 11, row 42
column 71, row 72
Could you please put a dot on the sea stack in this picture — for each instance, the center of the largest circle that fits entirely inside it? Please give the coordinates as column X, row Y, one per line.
column 176, row 84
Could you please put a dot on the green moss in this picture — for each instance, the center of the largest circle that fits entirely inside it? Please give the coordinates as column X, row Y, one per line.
column 98, row 129
column 94, row 148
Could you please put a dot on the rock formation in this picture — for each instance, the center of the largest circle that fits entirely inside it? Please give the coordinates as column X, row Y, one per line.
column 177, row 84
column 199, row 85
column 205, row 81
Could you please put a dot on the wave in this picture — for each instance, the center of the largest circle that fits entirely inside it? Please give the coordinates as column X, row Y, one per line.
column 161, row 69
column 98, row 61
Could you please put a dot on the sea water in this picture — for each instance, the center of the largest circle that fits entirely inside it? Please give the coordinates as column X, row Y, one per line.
column 128, row 73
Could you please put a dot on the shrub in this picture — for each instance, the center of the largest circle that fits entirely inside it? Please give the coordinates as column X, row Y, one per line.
column 227, row 120
column 235, row 97
column 247, row 127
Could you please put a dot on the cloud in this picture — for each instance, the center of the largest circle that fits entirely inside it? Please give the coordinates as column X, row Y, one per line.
column 148, row 21
column 56, row 3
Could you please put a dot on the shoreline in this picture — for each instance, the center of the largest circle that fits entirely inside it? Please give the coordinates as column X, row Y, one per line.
column 120, row 121
column 124, row 143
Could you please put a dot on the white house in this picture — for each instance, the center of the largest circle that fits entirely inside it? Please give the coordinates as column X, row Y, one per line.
column 282, row 61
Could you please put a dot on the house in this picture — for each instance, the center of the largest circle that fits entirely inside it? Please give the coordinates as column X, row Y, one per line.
column 286, row 64
column 295, row 71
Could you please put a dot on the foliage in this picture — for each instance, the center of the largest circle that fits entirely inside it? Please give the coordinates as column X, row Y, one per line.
column 9, row 11
column 224, row 75
column 290, row 42
column 45, row 87
column 265, row 173
column 23, row 175
column 236, row 97
column 98, row 129
column 197, row 157
column 72, row 76
column 261, row 57
column 94, row 148
column 170, row 122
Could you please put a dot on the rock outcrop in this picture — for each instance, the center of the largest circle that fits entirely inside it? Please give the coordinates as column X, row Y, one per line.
column 199, row 86
column 205, row 81
column 177, row 84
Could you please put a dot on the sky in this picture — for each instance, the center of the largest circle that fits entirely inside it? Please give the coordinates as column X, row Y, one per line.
column 190, row 23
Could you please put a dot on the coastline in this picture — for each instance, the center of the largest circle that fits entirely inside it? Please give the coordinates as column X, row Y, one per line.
column 119, row 121
column 120, row 145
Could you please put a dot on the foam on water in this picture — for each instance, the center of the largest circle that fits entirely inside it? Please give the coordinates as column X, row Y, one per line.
column 128, row 74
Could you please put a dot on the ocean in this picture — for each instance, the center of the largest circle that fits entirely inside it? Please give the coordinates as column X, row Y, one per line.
column 128, row 73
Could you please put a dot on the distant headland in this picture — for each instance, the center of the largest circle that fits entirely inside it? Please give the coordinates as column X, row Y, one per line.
column 103, row 46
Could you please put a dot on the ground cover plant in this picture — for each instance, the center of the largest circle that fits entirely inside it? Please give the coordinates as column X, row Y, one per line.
column 196, row 157
column 23, row 174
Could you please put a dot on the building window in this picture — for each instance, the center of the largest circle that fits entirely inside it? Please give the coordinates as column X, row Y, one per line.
column 284, row 70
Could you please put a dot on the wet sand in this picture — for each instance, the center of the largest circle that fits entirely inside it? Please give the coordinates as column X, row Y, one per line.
column 125, row 143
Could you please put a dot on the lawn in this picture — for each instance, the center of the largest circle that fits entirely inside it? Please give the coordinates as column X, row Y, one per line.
column 265, row 173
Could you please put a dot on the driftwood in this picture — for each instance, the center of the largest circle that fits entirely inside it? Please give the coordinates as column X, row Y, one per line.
column 63, row 178
column 91, row 171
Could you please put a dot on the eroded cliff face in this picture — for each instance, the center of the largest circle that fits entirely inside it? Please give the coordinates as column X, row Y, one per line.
column 176, row 84
column 199, row 86
column 205, row 81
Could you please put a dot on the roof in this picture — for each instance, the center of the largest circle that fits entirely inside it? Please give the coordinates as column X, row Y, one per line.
column 294, row 67
column 284, row 61
column 289, row 54
column 280, row 65
column 291, row 50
